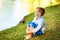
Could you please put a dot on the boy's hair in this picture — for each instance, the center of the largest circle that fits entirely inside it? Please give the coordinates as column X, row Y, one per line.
column 41, row 10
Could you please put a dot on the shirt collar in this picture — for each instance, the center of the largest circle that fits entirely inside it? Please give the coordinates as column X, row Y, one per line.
column 39, row 17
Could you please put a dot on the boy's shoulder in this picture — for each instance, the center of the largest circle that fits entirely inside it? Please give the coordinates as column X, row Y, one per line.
column 42, row 18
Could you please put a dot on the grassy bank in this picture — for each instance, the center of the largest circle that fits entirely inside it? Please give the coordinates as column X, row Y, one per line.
column 52, row 20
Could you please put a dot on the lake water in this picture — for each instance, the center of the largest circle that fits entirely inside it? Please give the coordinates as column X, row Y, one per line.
column 11, row 13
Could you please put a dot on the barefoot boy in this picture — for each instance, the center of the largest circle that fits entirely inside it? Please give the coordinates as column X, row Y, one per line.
column 36, row 27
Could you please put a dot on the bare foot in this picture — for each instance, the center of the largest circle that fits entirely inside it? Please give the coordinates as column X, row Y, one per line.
column 27, row 37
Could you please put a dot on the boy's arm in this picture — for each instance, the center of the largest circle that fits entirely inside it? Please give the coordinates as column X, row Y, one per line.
column 38, row 27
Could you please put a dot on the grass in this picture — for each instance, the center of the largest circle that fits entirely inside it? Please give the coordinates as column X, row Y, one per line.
column 52, row 20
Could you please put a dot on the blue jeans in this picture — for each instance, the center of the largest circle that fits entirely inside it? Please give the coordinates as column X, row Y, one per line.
column 34, row 26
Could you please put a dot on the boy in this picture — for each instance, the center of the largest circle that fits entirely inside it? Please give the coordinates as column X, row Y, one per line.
column 36, row 27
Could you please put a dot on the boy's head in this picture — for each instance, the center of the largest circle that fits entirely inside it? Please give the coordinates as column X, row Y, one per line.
column 39, row 11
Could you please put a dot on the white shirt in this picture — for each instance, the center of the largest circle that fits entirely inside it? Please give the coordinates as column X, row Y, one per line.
column 40, row 22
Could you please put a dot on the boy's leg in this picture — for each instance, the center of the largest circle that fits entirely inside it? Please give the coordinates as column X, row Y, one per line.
column 29, row 35
column 30, row 27
column 29, row 30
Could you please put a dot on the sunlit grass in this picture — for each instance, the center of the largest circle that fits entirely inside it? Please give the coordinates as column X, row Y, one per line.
column 52, row 20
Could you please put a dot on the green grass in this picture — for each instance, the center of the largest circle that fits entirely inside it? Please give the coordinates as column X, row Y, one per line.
column 52, row 20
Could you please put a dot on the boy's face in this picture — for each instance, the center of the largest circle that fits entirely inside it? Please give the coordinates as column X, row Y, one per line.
column 37, row 13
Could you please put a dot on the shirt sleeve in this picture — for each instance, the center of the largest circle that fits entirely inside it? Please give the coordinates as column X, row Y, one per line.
column 41, row 23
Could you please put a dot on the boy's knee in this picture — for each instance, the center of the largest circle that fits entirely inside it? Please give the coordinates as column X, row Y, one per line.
column 29, row 24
